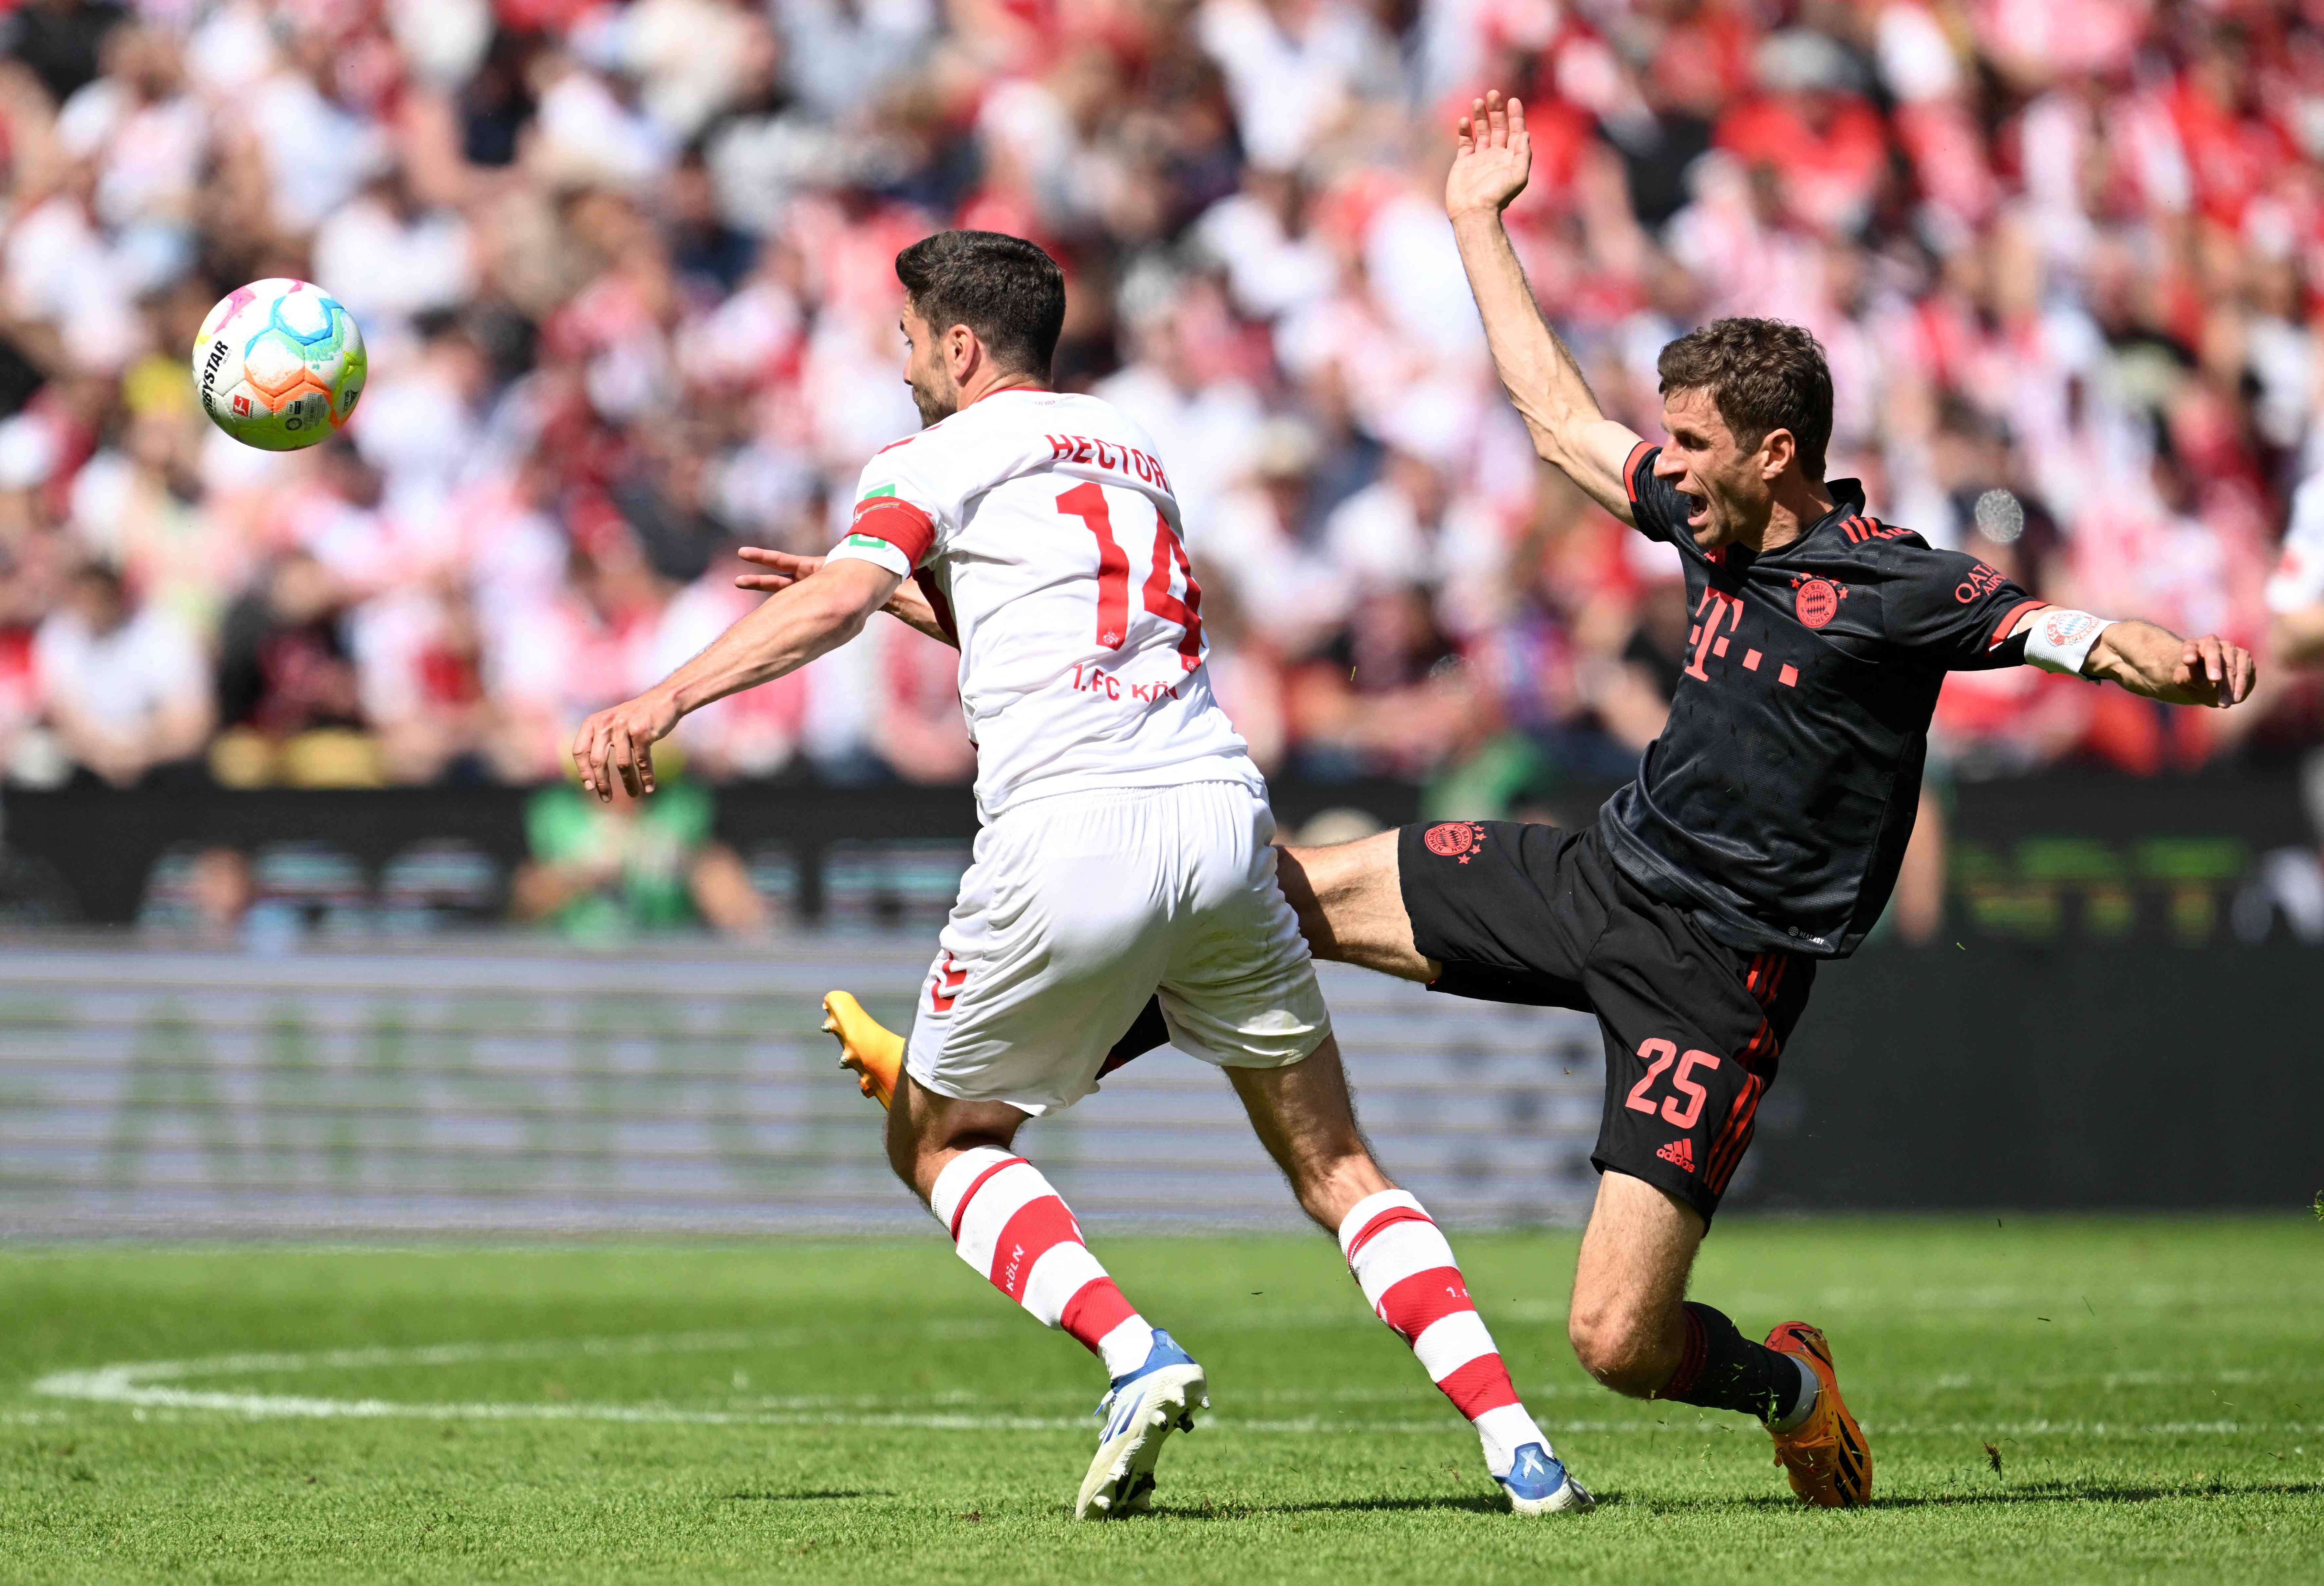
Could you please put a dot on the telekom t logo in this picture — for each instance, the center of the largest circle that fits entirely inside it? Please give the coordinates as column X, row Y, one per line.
column 1707, row 639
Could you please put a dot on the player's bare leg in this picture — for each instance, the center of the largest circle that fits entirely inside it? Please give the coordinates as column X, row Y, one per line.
column 1307, row 1121
column 1012, row 1226
column 1350, row 902
column 1634, row 1330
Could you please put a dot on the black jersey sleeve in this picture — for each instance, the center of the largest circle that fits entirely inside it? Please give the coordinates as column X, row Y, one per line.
column 1951, row 611
column 1659, row 511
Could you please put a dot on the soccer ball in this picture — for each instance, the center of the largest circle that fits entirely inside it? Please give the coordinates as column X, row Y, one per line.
column 278, row 363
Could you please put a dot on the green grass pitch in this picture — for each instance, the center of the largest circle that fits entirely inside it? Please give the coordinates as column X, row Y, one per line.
column 2100, row 1400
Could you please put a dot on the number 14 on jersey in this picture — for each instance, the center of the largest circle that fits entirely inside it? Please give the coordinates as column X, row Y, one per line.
column 1087, row 502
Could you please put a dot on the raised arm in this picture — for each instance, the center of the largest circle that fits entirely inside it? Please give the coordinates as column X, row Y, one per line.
column 793, row 627
column 1489, row 168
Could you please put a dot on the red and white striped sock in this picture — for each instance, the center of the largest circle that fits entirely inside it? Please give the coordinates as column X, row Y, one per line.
column 1008, row 1223
column 1407, row 1272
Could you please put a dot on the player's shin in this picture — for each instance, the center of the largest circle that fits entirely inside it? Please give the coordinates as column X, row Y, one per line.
column 1404, row 1265
column 1012, row 1227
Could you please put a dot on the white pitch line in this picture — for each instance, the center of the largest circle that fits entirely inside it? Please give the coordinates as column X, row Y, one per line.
column 144, row 1387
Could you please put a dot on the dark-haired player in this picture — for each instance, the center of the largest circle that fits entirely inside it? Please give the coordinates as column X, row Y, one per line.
column 1763, row 832
column 1126, row 848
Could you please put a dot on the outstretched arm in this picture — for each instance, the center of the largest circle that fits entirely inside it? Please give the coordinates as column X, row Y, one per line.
column 1544, row 383
column 791, row 629
column 907, row 605
column 2159, row 664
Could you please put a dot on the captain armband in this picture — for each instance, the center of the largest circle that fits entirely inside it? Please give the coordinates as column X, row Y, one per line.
column 2059, row 639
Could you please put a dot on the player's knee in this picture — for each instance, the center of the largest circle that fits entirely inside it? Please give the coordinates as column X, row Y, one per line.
column 1617, row 1351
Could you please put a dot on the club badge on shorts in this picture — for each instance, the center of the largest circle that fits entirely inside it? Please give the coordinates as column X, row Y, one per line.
column 1454, row 839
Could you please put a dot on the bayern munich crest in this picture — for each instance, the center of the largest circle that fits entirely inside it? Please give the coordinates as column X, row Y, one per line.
column 1454, row 839
column 2062, row 628
column 1818, row 602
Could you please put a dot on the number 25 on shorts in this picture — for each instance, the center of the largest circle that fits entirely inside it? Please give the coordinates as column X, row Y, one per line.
column 1660, row 1055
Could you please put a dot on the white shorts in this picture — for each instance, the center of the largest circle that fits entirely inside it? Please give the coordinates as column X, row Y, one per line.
column 1079, row 908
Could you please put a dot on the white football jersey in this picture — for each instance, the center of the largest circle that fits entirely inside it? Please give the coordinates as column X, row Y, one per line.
column 1044, row 530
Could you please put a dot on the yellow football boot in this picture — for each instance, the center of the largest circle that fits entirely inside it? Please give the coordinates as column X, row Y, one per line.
column 870, row 1048
column 1826, row 1457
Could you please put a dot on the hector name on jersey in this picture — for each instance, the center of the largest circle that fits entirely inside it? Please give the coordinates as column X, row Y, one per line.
column 1776, row 804
column 1042, row 527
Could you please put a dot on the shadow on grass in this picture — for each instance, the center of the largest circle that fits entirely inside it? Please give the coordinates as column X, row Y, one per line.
column 2032, row 1492
column 802, row 1496
column 2058, row 1492
column 1476, row 1503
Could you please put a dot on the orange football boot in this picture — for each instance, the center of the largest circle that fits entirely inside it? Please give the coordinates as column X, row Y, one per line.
column 870, row 1048
column 1826, row 1457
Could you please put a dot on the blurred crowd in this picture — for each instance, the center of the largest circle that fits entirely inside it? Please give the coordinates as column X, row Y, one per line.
column 625, row 270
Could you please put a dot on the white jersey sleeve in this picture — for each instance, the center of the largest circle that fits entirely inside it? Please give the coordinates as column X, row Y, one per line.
column 899, row 502
column 1044, row 532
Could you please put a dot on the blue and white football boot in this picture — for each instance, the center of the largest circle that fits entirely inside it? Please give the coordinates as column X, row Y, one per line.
column 1139, row 1411
column 1537, row 1484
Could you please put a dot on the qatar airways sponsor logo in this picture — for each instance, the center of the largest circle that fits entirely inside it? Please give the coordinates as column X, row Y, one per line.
column 1981, row 580
column 1106, row 453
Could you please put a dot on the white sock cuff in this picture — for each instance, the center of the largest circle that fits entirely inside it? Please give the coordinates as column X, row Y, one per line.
column 1125, row 1348
column 1370, row 1207
column 959, row 1177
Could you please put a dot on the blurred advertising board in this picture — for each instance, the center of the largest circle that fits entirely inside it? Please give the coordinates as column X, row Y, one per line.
column 499, row 1084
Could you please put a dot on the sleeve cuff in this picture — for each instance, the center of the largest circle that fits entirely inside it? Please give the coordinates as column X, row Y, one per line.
column 871, row 547
column 1639, row 454
column 2008, row 623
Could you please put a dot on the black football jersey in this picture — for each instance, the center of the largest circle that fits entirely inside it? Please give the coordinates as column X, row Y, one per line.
column 1775, row 805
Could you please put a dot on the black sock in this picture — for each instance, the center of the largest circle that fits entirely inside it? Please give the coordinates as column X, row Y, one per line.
column 1146, row 1032
column 1724, row 1370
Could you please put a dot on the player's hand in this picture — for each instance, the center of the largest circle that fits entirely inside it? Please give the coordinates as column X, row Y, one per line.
column 2213, row 672
column 1494, row 158
column 620, row 742
column 784, row 569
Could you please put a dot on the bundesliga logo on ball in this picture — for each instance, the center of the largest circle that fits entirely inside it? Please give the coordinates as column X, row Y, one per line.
column 278, row 363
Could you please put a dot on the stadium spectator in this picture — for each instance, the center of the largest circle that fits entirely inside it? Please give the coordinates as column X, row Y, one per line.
column 630, row 865
column 286, row 683
column 123, row 683
column 625, row 269
column 2295, row 594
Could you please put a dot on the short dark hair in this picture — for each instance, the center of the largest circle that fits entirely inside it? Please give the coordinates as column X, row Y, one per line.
column 1762, row 375
column 1003, row 288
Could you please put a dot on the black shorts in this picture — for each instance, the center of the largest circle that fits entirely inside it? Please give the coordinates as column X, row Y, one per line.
column 1533, row 914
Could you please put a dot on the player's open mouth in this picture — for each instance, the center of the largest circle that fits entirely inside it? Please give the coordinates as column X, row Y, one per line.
column 1698, row 510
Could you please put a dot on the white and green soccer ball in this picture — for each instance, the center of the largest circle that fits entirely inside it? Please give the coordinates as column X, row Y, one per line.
column 278, row 364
